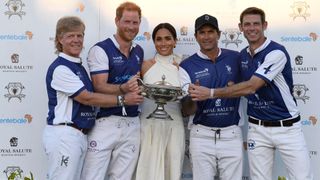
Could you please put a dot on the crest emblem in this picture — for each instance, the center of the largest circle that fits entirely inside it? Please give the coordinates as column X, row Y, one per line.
column 15, row 91
column 298, row 60
column 231, row 36
column 300, row 91
column 15, row 173
column 14, row 142
column 15, row 58
column 184, row 31
column 300, row 10
column 218, row 103
column 15, row 8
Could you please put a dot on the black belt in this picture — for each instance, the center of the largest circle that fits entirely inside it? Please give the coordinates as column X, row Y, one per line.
column 83, row 130
column 285, row 123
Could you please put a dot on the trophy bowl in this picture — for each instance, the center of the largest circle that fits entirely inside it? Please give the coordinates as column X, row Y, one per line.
column 161, row 92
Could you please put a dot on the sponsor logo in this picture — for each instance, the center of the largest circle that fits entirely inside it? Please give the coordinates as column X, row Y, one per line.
column 300, row 92
column 218, row 103
column 184, row 39
column 299, row 9
column 16, row 173
column 300, row 69
column 14, row 91
column 251, row 144
column 80, row 7
column 14, row 149
column 93, row 146
column 202, row 73
column 312, row 120
column 27, row 119
column 312, row 37
column 231, row 36
column 28, row 35
column 146, row 36
column 229, row 69
column 15, row 65
column 15, row 8
column 267, row 69
column 64, row 161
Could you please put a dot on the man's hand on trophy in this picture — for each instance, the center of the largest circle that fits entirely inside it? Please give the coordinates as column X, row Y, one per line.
column 199, row 93
column 133, row 98
column 131, row 85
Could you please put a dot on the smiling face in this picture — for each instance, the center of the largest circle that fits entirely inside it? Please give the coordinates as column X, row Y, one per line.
column 164, row 42
column 72, row 42
column 128, row 25
column 207, row 37
column 253, row 29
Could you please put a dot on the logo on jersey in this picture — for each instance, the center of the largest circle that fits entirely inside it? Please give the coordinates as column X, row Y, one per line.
column 229, row 69
column 218, row 103
column 300, row 92
column 138, row 59
column 117, row 60
column 231, row 36
column 64, row 161
column 244, row 64
column 267, row 69
column 93, row 144
column 202, row 73
column 299, row 9
column 15, row 91
column 15, row 8
column 251, row 144
column 16, row 173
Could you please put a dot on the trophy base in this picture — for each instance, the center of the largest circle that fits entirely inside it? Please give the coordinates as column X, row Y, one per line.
column 160, row 113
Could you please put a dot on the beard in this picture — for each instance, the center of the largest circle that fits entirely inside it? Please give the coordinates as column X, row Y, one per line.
column 127, row 35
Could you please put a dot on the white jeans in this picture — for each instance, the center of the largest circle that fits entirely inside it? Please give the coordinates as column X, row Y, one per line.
column 113, row 149
column 289, row 141
column 65, row 148
column 215, row 153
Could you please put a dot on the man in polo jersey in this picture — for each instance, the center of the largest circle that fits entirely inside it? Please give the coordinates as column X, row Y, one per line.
column 215, row 137
column 71, row 103
column 272, row 109
column 114, row 64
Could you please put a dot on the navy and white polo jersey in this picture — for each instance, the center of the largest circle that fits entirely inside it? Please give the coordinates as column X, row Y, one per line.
column 219, row 112
column 66, row 78
column 271, row 62
column 105, row 57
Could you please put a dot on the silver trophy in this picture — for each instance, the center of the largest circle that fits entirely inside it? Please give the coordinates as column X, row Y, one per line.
column 161, row 92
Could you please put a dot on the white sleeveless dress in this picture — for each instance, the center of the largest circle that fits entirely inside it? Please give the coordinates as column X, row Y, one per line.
column 162, row 141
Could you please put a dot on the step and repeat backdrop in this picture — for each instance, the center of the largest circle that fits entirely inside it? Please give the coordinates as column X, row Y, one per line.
column 27, row 48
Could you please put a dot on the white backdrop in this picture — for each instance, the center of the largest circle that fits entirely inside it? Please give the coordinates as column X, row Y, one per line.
column 27, row 49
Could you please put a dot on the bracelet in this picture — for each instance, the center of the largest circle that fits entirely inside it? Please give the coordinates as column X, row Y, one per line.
column 211, row 93
column 120, row 100
column 121, row 90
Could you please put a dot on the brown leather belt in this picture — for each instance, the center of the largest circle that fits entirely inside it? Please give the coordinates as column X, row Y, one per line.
column 83, row 130
column 284, row 123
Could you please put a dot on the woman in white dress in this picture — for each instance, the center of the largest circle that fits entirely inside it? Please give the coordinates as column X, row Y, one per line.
column 162, row 140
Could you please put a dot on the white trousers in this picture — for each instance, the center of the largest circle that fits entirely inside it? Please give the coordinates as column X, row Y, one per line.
column 215, row 153
column 65, row 148
column 113, row 149
column 289, row 141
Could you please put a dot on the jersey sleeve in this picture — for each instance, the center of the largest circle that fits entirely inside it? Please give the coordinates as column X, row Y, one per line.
column 98, row 61
column 65, row 81
column 273, row 64
column 184, row 79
